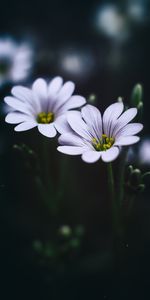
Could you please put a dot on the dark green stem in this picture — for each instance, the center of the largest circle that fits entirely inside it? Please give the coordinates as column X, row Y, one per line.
column 111, row 187
column 120, row 193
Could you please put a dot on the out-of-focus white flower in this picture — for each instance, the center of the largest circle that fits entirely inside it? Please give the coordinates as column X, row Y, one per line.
column 136, row 10
column 111, row 22
column 95, row 137
column 15, row 61
column 78, row 63
column 43, row 106
column 144, row 152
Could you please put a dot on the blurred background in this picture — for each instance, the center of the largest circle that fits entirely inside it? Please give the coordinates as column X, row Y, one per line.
column 103, row 46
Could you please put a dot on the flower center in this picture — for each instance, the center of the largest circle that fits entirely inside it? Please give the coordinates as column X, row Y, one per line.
column 104, row 143
column 45, row 118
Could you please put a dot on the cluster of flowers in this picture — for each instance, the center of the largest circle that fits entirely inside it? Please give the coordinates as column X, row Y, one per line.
column 51, row 108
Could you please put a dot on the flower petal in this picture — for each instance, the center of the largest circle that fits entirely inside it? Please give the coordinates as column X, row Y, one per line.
column 71, row 139
column 91, row 156
column 61, row 124
column 110, row 154
column 110, row 116
column 54, row 86
column 40, row 93
column 18, row 105
column 129, row 129
column 92, row 117
column 74, row 119
column 126, row 140
column 125, row 118
column 16, row 117
column 47, row 130
column 74, row 102
column 22, row 93
column 70, row 150
column 25, row 126
column 64, row 94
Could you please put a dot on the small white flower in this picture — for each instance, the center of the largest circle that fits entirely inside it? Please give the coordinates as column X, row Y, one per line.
column 44, row 106
column 144, row 152
column 93, row 136
column 15, row 61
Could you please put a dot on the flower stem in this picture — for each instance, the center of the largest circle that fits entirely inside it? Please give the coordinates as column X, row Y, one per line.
column 121, row 181
column 111, row 186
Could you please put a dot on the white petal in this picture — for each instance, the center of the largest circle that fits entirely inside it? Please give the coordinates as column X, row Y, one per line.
column 74, row 102
column 47, row 130
column 70, row 150
column 126, row 140
column 74, row 119
column 125, row 118
column 129, row 129
column 15, row 117
column 110, row 116
column 110, row 154
column 64, row 94
column 54, row 86
column 70, row 139
column 92, row 117
column 18, row 105
column 22, row 93
column 40, row 92
column 91, row 156
column 40, row 87
column 25, row 126
column 62, row 125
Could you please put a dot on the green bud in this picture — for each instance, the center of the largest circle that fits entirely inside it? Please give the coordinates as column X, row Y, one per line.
column 120, row 99
column 17, row 147
column 141, row 187
column 136, row 178
column 137, row 95
column 65, row 231
column 92, row 98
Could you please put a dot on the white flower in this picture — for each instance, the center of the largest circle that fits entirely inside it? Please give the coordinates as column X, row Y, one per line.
column 44, row 106
column 144, row 152
column 93, row 136
column 15, row 61
column 112, row 22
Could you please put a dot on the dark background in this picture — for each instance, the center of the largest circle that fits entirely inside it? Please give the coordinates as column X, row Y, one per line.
column 113, row 66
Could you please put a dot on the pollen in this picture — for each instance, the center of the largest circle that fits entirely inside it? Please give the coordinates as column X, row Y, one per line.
column 104, row 143
column 45, row 118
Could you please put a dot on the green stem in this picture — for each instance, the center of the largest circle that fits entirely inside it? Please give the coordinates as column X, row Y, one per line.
column 121, row 178
column 111, row 187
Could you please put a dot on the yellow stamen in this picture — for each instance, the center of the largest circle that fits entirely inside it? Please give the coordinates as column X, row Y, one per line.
column 45, row 118
column 104, row 143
